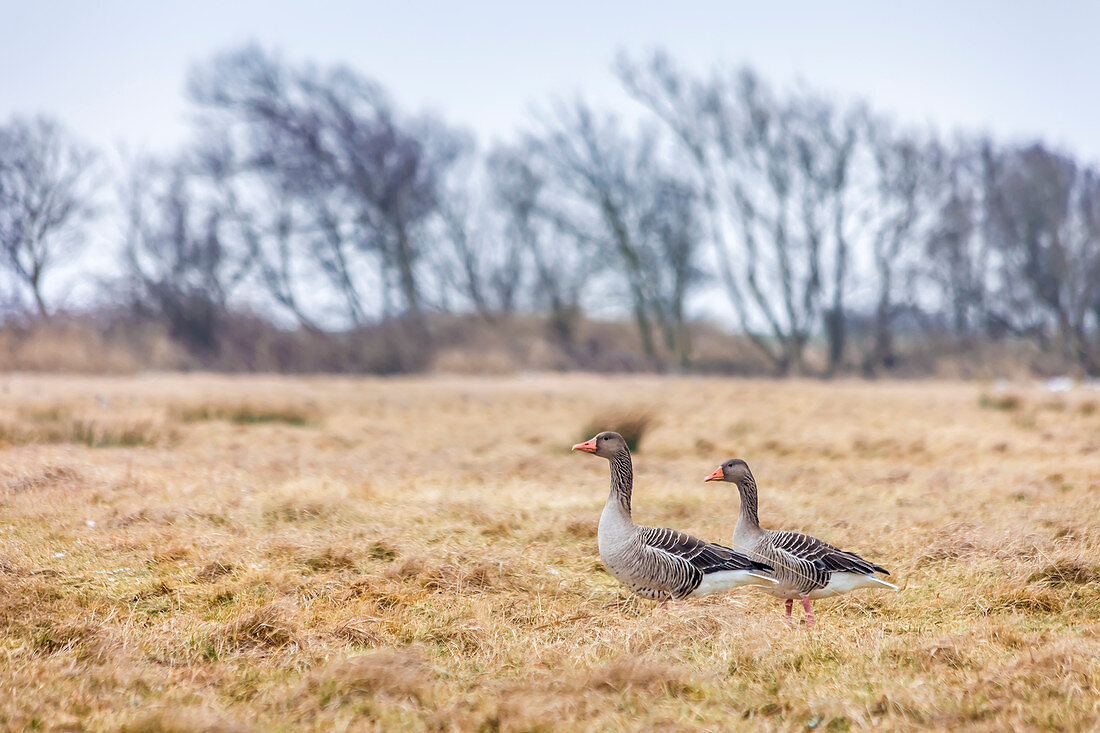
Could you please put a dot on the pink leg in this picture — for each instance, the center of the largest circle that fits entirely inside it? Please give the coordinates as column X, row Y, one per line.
column 790, row 605
column 809, row 613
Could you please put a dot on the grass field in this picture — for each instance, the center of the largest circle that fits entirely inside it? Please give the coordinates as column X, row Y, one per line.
column 218, row 553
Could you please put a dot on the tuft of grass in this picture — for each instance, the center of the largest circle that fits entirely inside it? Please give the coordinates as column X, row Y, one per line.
column 1006, row 402
column 50, row 638
column 212, row 571
column 305, row 500
column 249, row 413
column 455, row 576
column 189, row 719
column 1028, row 600
column 394, row 673
column 46, row 478
column 330, row 558
column 270, row 626
column 641, row 674
column 100, row 435
column 632, row 425
column 1066, row 572
column 92, row 432
column 382, row 550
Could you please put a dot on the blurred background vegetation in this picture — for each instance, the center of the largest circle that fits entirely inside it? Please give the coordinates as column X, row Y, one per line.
column 312, row 224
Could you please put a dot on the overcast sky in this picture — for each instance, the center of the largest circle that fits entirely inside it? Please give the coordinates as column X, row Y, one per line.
column 114, row 71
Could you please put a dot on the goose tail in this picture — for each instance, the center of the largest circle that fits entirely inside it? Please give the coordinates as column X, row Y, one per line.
column 767, row 579
column 883, row 583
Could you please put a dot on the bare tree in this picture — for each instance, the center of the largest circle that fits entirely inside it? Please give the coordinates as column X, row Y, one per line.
column 478, row 259
column 671, row 224
column 834, row 204
column 613, row 186
column 1042, row 212
column 558, row 259
column 771, row 171
column 46, row 198
column 589, row 163
column 957, row 256
column 271, row 223
column 177, row 255
column 369, row 176
column 906, row 179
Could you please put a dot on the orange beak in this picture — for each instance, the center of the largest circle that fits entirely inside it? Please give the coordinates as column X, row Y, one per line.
column 588, row 446
column 716, row 476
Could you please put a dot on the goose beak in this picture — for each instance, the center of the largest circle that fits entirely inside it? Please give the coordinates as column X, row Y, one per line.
column 588, row 446
column 716, row 476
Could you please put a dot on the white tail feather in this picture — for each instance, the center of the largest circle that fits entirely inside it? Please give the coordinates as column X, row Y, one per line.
column 726, row 579
column 844, row 582
column 885, row 583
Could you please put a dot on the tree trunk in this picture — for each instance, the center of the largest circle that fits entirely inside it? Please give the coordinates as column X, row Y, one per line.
column 645, row 330
column 36, row 291
column 882, row 351
column 835, row 326
column 562, row 326
column 835, row 331
column 407, row 279
column 682, row 339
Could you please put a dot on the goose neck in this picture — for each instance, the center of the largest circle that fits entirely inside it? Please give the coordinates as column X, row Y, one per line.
column 747, row 518
column 622, row 480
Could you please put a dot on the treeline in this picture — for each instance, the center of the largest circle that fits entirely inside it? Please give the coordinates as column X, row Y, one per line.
column 824, row 234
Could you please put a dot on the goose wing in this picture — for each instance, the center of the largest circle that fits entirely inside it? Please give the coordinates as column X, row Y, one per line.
column 822, row 554
column 706, row 557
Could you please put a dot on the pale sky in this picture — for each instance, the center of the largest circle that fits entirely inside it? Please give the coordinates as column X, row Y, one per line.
column 114, row 71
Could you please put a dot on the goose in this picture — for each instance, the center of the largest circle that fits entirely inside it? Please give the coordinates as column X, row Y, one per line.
column 806, row 567
column 660, row 564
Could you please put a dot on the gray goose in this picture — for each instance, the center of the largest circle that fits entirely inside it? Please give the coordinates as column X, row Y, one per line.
column 805, row 567
column 660, row 564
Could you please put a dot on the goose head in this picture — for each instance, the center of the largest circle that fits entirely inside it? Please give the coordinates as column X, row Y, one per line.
column 604, row 445
column 734, row 470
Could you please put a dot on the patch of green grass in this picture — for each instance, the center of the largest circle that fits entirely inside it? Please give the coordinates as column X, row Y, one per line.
column 1006, row 402
column 99, row 435
column 250, row 414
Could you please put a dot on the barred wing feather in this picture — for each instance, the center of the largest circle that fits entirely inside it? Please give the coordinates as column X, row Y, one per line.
column 822, row 554
column 707, row 557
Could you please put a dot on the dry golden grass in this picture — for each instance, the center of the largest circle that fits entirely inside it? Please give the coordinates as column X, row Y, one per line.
column 420, row 554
